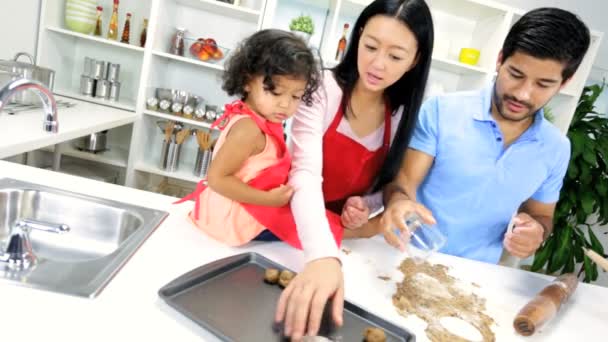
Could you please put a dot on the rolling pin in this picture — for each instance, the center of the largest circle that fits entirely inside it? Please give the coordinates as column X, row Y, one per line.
column 545, row 305
column 598, row 259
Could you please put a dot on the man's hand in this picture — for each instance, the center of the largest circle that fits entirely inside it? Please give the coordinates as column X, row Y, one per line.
column 394, row 217
column 525, row 237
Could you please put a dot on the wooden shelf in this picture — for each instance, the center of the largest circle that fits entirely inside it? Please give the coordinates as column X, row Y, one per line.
column 95, row 39
column 223, row 9
column 126, row 104
column 171, row 117
column 218, row 67
column 115, row 156
column 184, row 172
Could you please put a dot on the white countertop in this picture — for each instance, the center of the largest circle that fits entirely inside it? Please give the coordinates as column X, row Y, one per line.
column 129, row 309
column 23, row 131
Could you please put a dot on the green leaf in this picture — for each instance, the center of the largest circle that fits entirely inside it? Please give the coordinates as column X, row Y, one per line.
column 572, row 171
column 542, row 255
column 579, row 254
column 559, row 259
column 587, row 202
column 569, row 264
column 588, row 269
column 602, row 187
column 589, row 156
column 596, row 245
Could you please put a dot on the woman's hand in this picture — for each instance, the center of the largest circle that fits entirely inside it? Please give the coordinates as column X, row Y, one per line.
column 394, row 216
column 302, row 302
column 355, row 213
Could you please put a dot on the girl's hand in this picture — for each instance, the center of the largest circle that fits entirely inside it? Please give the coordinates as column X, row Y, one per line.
column 279, row 196
column 355, row 213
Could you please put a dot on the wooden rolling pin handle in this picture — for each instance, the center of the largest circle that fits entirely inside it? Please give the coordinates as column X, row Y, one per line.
column 598, row 259
column 545, row 305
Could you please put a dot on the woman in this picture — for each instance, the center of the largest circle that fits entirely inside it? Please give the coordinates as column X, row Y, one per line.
column 352, row 140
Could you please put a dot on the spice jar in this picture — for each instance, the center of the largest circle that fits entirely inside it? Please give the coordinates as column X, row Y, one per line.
column 177, row 44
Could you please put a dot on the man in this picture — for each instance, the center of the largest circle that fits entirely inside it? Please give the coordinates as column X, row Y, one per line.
column 478, row 159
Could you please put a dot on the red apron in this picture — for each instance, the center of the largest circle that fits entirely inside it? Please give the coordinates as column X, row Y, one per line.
column 354, row 167
column 280, row 220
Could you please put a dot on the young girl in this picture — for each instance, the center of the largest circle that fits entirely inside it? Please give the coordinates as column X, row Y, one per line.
column 272, row 72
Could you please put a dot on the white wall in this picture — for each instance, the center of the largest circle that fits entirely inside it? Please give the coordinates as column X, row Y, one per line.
column 18, row 27
column 593, row 13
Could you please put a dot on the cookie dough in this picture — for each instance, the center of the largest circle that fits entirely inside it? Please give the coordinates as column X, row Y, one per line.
column 271, row 276
column 285, row 277
column 374, row 335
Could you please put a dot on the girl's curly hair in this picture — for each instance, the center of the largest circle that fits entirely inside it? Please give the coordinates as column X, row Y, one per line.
column 270, row 53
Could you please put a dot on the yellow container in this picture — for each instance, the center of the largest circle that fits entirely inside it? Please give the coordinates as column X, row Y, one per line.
column 469, row 56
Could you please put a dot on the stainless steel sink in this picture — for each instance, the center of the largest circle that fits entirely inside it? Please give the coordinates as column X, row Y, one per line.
column 103, row 235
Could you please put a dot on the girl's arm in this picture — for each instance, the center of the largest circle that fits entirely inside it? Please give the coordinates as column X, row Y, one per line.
column 244, row 140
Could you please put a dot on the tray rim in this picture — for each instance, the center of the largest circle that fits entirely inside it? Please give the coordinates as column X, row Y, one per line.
column 217, row 267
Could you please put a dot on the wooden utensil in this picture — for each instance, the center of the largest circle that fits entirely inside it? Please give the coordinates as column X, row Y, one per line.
column 169, row 125
column 204, row 140
column 181, row 136
column 598, row 259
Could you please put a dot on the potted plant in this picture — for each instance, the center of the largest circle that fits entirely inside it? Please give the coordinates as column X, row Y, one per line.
column 303, row 27
column 583, row 203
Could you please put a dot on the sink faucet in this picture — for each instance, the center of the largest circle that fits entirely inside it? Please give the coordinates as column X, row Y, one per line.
column 19, row 254
column 51, row 120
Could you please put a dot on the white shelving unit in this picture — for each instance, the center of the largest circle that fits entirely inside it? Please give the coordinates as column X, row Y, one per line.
column 170, row 117
column 480, row 24
column 189, row 60
column 94, row 39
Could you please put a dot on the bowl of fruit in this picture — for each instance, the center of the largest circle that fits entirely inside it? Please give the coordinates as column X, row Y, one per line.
column 206, row 50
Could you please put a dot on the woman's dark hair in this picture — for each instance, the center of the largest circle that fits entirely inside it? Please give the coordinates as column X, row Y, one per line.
column 549, row 33
column 408, row 91
column 270, row 53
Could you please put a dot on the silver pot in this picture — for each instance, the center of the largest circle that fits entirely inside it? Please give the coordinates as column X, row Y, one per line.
column 95, row 142
column 13, row 69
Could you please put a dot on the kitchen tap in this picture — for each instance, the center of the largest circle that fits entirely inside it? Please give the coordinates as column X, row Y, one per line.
column 51, row 120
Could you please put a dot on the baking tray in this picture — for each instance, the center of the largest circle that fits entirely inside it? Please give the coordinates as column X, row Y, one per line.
column 230, row 298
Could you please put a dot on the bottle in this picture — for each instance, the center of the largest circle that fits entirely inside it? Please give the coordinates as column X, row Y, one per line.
column 113, row 28
column 342, row 44
column 98, row 23
column 177, row 44
column 144, row 34
column 126, row 31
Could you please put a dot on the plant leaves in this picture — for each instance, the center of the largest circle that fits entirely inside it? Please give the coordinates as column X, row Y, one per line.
column 588, row 269
column 542, row 255
column 596, row 245
column 560, row 256
column 587, row 202
column 589, row 156
column 579, row 254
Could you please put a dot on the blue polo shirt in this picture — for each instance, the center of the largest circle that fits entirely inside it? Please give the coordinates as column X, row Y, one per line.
column 476, row 184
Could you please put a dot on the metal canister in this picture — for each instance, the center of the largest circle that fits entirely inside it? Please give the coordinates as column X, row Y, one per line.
column 89, row 66
column 115, row 91
column 87, row 85
column 203, row 160
column 99, row 70
column 113, row 72
column 102, row 90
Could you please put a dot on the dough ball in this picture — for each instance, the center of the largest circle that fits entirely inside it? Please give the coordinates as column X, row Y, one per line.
column 271, row 276
column 285, row 278
column 374, row 335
